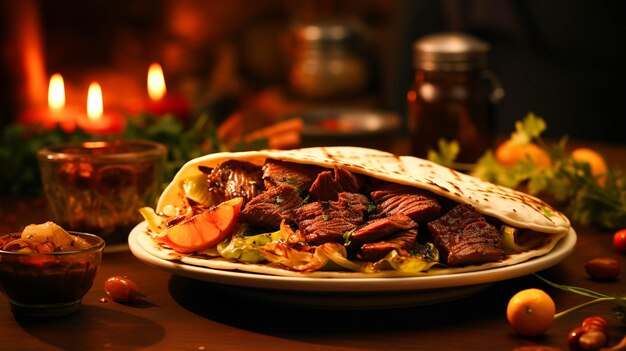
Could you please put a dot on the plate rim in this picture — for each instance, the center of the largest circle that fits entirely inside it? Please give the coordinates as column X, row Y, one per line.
column 254, row 280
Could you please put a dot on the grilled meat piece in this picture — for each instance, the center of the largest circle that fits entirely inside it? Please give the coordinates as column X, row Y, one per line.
column 392, row 199
column 327, row 221
column 327, row 185
column 403, row 241
column 271, row 207
column 463, row 237
column 378, row 229
column 301, row 177
column 236, row 179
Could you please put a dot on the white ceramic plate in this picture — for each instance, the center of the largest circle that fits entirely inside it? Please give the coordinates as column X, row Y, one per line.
column 355, row 292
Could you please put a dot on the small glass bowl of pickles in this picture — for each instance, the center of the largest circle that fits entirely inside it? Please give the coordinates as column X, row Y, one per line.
column 45, row 271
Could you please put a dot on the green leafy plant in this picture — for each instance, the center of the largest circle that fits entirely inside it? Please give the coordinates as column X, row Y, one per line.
column 567, row 183
column 18, row 149
column 528, row 129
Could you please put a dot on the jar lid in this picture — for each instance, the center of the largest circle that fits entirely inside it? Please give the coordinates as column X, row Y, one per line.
column 451, row 51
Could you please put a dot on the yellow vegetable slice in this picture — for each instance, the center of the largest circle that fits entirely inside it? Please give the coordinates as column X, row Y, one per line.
column 513, row 242
column 152, row 218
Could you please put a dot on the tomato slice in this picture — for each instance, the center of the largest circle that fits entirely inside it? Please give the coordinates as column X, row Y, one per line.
column 204, row 230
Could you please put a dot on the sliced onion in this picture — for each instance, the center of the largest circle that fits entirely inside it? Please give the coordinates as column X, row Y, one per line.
column 197, row 190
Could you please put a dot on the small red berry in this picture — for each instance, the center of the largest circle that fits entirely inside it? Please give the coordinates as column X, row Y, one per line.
column 122, row 289
column 619, row 241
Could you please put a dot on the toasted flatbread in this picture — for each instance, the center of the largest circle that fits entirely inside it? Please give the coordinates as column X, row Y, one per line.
column 512, row 207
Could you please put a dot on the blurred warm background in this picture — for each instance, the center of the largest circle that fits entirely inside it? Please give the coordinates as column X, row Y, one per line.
column 561, row 60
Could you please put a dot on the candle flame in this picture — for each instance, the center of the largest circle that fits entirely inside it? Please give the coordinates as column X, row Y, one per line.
column 156, row 82
column 56, row 92
column 94, row 102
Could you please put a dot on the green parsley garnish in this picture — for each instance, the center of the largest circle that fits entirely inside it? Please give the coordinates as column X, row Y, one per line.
column 306, row 200
column 290, row 181
column 528, row 129
column 325, row 217
column 279, row 199
column 446, row 154
column 293, row 182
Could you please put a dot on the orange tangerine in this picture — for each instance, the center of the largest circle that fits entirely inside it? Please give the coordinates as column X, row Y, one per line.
column 531, row 312
column 595, row 160
column 509, row 154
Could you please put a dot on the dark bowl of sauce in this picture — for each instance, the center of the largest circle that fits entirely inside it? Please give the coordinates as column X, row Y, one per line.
column 44, row 284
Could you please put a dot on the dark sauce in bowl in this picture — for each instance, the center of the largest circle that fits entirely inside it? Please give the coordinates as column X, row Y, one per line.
column 52, row 283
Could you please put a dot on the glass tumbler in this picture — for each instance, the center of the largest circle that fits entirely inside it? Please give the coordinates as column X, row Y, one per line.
column 99, row 186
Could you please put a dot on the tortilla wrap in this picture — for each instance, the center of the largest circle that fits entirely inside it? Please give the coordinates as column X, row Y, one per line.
column 512, row 207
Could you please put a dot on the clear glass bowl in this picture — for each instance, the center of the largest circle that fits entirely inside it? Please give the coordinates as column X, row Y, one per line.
column 50, row 283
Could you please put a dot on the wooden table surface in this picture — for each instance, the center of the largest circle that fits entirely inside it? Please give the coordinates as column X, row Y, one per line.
column 186, row 314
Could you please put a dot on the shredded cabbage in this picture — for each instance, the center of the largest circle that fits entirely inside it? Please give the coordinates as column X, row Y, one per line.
column 337, row 254
column 244, row 248
column 286, row 248
column 409, row 264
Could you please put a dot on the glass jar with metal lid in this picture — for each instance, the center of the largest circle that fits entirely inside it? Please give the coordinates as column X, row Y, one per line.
column 327, row 60
column 453, row 95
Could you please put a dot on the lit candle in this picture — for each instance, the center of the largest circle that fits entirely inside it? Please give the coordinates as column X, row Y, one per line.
column 56, row 92
column 56, row 112
column 156, row 82
column 95, row 110
column 96, row 121
column 160, row 102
